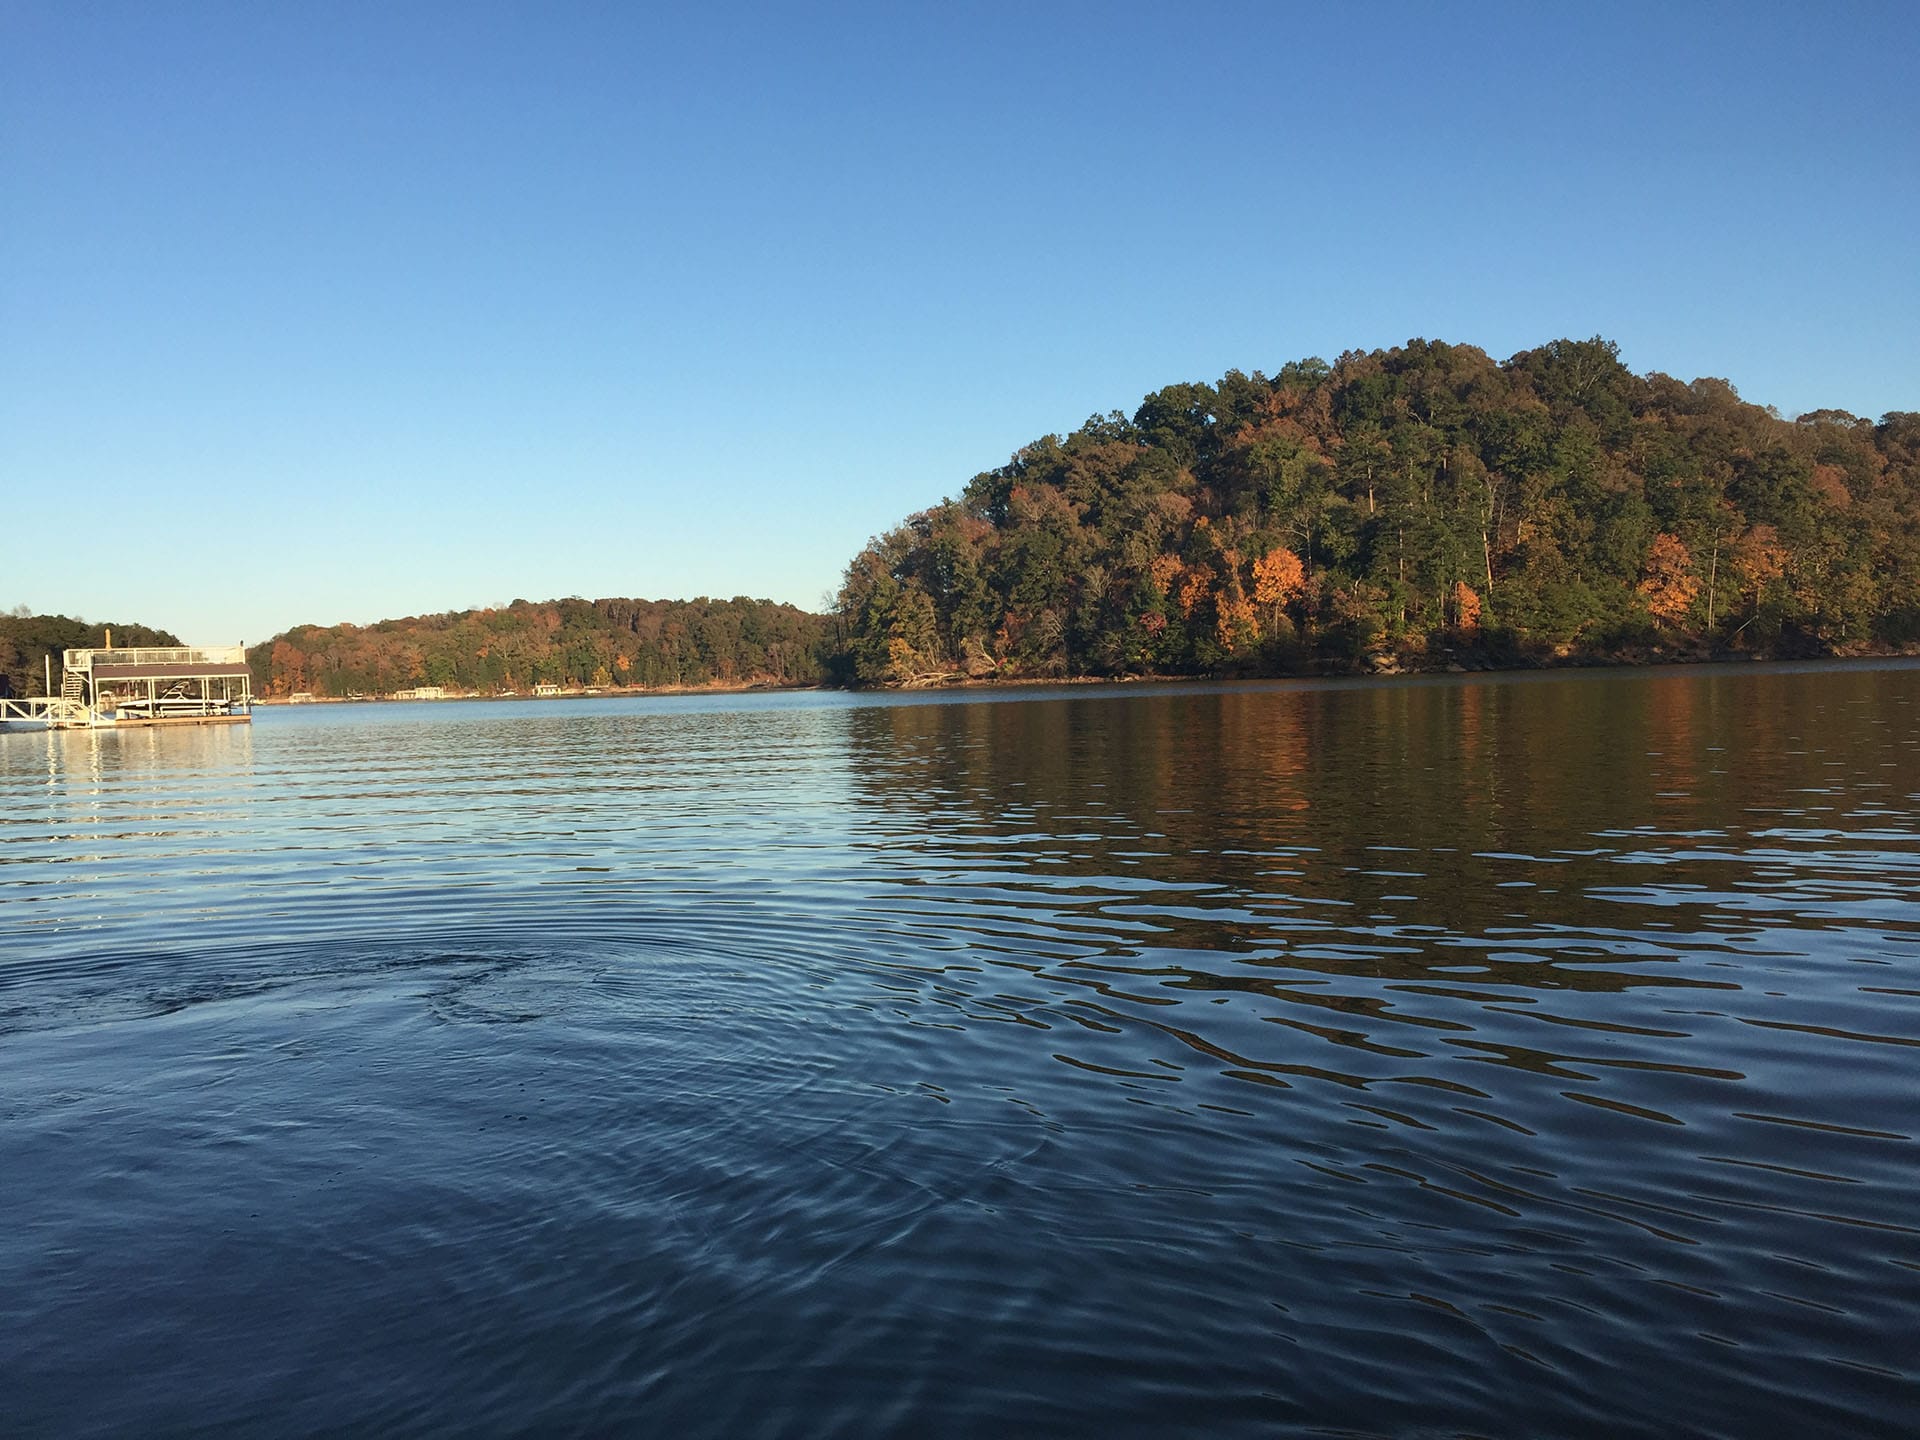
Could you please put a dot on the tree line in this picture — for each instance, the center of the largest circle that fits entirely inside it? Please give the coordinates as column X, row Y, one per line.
column 1414, row 506
column 27, row 640
column 610, row 643
column 1407, row 506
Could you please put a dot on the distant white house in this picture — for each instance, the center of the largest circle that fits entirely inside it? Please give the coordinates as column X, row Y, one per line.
column 546, row 689
column 422, row 692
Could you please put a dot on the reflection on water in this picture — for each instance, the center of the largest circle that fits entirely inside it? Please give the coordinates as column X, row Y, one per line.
column 1525, row 1056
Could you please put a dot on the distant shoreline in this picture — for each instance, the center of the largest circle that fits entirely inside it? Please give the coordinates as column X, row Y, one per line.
column 592, row 693
column 1394, row 668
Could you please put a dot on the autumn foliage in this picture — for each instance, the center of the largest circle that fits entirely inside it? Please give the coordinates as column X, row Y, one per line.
column 1669, row 585
column 1425, row 500
column 1466, row 606
column 1407, row 500
column 574, row 642
column 1277, row 576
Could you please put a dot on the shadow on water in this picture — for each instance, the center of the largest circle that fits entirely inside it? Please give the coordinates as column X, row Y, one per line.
column 1533, row 1056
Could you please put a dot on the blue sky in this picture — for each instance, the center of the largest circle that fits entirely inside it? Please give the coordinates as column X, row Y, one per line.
column 344, row 311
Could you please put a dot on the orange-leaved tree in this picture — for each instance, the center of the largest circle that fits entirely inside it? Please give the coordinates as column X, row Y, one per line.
column 1278, row 576
column 1234, row 624
column 1669, row 585
column 1194, row 589
column 1758, row 559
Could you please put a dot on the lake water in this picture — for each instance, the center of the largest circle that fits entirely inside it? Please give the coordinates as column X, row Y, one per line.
column 1510, row 1057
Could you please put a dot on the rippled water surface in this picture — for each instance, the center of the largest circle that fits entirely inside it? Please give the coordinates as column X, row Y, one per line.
column 1518, row 1057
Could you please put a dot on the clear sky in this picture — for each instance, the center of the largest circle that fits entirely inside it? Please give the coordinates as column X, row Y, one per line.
column 323, row 312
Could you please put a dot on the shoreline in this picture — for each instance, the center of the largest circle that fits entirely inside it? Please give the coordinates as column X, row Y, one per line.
column 1384, row 666
column 598, row 693
column 1379, row 666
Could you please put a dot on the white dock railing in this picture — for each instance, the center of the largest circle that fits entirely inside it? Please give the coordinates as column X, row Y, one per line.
column 43, row 710
column 158, row 655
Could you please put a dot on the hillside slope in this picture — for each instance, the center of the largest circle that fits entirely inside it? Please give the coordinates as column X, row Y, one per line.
column 612, row 642
column 1426, row 502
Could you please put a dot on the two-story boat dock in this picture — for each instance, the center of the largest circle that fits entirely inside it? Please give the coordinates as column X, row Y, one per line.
column 145, row 685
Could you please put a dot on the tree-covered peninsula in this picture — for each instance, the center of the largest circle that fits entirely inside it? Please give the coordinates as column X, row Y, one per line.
column 1409, row 506
column 27, row 640
column 573, row 642
column 1413, row 507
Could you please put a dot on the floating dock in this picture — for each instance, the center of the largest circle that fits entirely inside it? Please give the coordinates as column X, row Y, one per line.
column 146, row 685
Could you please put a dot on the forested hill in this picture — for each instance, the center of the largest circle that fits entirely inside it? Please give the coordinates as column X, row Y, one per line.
column 27, row 640
column 1423, row 503
column 570, row 642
